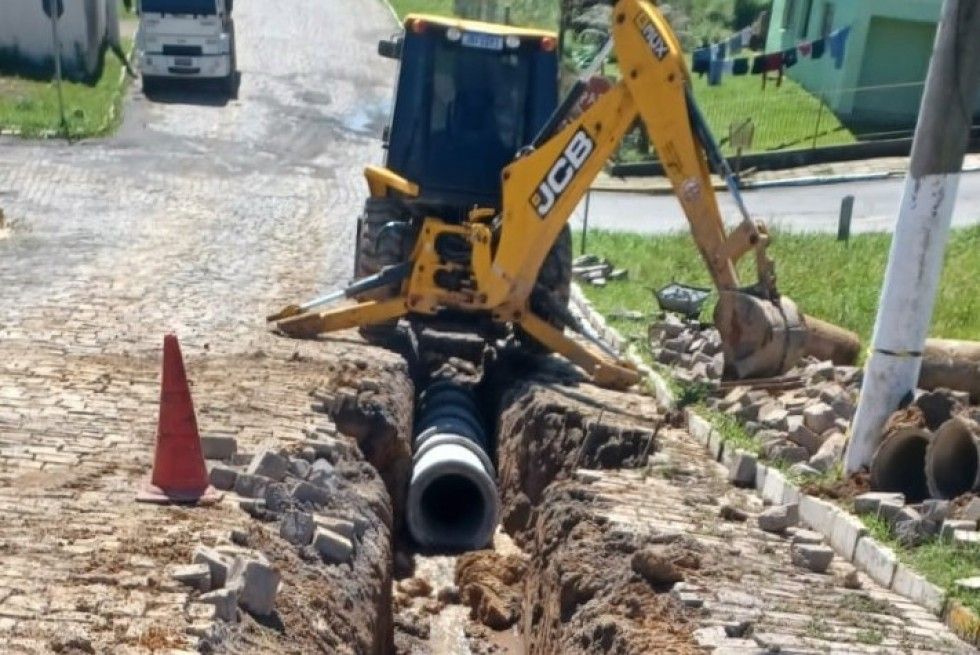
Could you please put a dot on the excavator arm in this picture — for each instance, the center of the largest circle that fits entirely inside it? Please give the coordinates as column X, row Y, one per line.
column 763, row 333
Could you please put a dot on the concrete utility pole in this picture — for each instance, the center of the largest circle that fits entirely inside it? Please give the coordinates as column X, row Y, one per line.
column 915, row 263
column 55, row 9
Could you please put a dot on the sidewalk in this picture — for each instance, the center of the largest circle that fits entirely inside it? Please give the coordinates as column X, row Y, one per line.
column 817, row 174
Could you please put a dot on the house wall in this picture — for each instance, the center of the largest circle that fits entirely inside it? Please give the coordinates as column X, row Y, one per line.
column 26, row 42
column 891, row 42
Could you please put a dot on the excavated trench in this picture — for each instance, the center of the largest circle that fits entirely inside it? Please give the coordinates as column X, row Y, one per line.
column 557, row 577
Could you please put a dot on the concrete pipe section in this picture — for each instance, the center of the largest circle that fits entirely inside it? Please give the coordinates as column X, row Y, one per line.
column 953, row 459
column 899, row 464
column 453, row 504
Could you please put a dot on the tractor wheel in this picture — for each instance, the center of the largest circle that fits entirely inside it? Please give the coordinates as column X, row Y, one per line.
column 376, row 249
column 553, row 289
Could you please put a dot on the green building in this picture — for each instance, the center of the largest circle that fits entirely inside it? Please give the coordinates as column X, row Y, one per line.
column 879, row 87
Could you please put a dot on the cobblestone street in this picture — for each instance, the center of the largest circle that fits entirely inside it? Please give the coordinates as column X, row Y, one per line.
column 197, row 218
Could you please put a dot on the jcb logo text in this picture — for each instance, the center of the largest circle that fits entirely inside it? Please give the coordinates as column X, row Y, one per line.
column 562, row 173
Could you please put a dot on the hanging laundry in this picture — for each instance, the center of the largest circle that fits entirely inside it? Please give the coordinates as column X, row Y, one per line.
column 773, row 62
column 701, row 61
column 759, row 65
column 790, row 58
column 717, row 70
column 838, row 46
column 740, row 66
column 735, row 44
column 819, row 46
column 746, row 35
column 805, row 49
column 728, row 66
column 722, row 51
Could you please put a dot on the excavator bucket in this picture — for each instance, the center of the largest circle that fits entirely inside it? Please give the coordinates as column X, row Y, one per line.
column 760, row 338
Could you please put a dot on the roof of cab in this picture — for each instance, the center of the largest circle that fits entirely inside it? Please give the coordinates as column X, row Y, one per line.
column 477, row 26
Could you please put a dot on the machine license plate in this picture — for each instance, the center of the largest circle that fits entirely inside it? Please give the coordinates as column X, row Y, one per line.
column 483, row 41
column 183, row 61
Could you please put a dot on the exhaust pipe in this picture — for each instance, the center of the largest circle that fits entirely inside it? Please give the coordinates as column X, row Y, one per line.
column 453, row 503
column 953, row 459
column 899, row 464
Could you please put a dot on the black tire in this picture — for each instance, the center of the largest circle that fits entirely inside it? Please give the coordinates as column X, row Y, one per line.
column 377, row 248
column 553, row 290
column 151, row 84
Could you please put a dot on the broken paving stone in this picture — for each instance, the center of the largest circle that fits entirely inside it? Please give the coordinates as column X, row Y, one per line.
column 218, row 447
column 297, row 528
column 193, row 575
column 801, row 536
column 277, row 497
column 803, row 436
column 773, row 415
column 269, row 464
column 969, row 584
column 306, row 492
column 889, row 510
column 868, row 503
column 951, row 526
column 250, row 486
column 216, row 562
column 777, row 519
column 254, row 507
column 654, row 567
column 911, row 533
column 820, row 372
column 257, row 584
column 299, row 467
column 966, row 538
column 819, row 417
column 333, row 547
column 225, row 603
column 803, row 470
column 343, row 527
column 741, row 471
column 830, row 454
column 812, row 556
column 223, row 477
column 321, row 473
column 732, row 513
column 791, row 454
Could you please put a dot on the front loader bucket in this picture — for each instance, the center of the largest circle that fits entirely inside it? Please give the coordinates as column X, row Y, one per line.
column 760, row 338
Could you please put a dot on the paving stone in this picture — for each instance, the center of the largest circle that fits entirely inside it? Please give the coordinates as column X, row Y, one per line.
column 218, row 447
column 193, row 575
column 269, row 464
column 297, row 528
column 251, row 486
column 846, row 530
column 306, row 492
column 801, row 536
column 814, row 557
column 716, row 445
column 299, row 467
column 911, row 533
column 965, row 538
column 257, row 584
column 254, row 507
column 951, row 526
column 333, row 547
column 343, row 527
column 868, row 503
column 741, row 471
column 773, row 415
column 819, row 417
column 803, row 436
column 761, row 471
column 803, row 470
column 775, row 486
column 878, row 561
column 777, row 519
column 225, row 602
column 321, row 473
column 791, row 454
column 216, row 562
column 277, row 497
column 972, row 511
column 889, row 511
column 831, row 452
column 223, row 477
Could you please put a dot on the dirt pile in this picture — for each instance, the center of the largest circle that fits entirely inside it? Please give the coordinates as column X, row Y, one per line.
column 490, row 584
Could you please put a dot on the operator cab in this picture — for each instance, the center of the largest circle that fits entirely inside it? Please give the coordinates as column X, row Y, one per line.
column 470, row 96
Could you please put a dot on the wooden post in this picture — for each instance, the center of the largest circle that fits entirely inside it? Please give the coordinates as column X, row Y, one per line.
column 915, row 263
column 844, row 224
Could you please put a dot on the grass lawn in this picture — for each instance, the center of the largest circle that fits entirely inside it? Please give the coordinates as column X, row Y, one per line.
column 437, row 7
column 941, row 564
column 837, row 282
column 30, row 107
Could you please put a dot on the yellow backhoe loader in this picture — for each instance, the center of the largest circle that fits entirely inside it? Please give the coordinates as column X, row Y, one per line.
column 469, row 220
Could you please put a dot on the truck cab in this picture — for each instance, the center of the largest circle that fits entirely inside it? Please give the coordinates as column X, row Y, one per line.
column 192, row 39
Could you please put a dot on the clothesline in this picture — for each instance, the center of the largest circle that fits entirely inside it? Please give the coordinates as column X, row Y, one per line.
column 715, row 62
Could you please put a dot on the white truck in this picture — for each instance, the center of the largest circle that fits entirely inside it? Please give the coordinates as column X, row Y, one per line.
column 191, row 39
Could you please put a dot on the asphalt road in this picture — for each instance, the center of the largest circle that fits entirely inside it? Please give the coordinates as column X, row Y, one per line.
column 800, row 209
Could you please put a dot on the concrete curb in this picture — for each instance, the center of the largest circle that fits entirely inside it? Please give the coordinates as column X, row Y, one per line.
column 847, row 535
column 587, row 312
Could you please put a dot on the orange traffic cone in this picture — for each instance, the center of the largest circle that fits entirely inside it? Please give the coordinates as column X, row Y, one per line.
column 179, row 474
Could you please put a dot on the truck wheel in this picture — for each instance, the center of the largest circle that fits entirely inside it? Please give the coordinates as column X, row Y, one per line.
column 377, row 248
column 151, row 84
column 551, row 294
